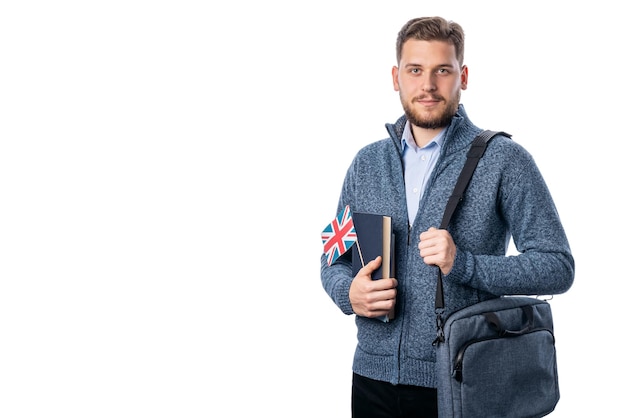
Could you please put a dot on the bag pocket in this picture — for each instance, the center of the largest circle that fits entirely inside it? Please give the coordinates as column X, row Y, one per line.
column 511, row 376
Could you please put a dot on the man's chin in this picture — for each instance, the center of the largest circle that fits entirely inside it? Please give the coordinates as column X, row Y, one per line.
column 429, row 123
column 432, row 125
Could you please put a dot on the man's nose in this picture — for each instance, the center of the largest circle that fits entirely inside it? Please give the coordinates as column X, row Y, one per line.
column 429, row 83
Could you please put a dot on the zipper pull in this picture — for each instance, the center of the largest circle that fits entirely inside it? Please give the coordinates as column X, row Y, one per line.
column 457, row 373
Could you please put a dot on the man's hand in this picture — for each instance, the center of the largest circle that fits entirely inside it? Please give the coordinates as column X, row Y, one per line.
column 437, row 248
column 372, row 298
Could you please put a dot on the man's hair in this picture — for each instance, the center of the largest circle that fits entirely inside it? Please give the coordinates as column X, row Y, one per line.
column 432, row 29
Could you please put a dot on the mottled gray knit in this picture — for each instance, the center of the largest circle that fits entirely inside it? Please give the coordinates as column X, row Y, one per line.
column 507, row 197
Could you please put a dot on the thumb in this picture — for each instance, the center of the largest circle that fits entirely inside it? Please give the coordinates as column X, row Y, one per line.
column 372, row 265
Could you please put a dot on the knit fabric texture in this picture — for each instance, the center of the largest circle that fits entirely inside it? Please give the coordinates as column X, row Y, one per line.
column 507, row 197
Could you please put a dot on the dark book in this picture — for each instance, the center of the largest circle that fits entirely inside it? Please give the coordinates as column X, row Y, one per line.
column 374, row 238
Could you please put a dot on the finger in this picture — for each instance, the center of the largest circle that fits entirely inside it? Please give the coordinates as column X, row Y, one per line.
column 429, row 233
column 372, row 265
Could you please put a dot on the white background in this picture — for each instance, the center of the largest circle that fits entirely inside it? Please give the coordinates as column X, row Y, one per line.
column 166, row 169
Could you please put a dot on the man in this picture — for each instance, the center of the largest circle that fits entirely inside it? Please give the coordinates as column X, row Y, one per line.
column 410, row 176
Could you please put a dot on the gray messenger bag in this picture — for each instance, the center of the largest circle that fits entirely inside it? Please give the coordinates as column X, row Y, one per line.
column 496, row 358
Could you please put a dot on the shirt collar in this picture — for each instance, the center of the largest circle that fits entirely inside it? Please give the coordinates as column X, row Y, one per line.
column 408, row 140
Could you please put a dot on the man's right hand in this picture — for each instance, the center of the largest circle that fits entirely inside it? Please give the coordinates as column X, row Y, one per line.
column 372, row 298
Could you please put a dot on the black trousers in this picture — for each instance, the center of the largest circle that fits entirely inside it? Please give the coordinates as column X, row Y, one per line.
column 376, row 399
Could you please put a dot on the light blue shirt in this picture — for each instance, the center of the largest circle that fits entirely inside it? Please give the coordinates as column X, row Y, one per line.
column 418, row 165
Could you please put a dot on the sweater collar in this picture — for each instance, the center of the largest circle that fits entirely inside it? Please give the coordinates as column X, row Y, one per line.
column 460, row 127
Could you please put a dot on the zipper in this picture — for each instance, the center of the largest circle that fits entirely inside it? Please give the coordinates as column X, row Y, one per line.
column 408, row 238
column 457, row 371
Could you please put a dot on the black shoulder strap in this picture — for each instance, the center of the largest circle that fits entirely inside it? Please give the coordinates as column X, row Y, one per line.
column 473, row 155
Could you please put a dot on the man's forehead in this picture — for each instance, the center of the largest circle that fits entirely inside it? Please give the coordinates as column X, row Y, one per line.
column 419, row 52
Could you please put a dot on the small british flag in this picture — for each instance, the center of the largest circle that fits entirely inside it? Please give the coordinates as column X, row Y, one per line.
column 339, row 235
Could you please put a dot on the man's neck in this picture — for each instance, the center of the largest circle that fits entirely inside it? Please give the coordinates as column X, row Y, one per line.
column 423, row 136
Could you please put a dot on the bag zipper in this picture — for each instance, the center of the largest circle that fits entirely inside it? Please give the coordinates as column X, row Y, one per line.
column 457, row 371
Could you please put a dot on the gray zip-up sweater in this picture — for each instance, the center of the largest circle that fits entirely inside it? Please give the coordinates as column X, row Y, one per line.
column 507, row 197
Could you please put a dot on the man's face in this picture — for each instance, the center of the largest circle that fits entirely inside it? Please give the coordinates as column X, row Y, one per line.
column 429, row 79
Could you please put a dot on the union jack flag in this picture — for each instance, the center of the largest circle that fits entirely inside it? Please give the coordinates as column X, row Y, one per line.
column 339, row 235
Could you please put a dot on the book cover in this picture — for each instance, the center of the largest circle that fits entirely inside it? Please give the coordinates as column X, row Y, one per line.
column 374, row 238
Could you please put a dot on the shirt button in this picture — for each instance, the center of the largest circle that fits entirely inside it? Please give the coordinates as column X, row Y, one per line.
column 415, row 190
column 423, row 158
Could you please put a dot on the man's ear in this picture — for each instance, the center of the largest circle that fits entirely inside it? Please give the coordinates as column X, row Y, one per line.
column 464, row 76
column 394, row 75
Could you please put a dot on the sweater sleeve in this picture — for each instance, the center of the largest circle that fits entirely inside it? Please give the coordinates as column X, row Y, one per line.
column 337, row 278
column 544, row 264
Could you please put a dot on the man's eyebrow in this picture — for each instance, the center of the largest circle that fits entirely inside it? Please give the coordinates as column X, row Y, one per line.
column 411, row 64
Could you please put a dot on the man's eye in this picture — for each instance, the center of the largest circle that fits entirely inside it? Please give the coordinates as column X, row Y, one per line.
column 415, row 70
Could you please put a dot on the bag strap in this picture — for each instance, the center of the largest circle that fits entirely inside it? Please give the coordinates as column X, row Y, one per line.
column 476, row 151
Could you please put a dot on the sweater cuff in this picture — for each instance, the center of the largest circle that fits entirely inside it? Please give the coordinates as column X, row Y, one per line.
column 343, row 296
column 462, row 268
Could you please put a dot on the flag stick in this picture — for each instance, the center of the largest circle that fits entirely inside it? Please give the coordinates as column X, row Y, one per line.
column 358, row 247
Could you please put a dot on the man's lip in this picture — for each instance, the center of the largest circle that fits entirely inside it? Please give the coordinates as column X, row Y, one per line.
column 428, row 102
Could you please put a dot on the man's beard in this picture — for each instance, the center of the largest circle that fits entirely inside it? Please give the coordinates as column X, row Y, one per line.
column 440, row 121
